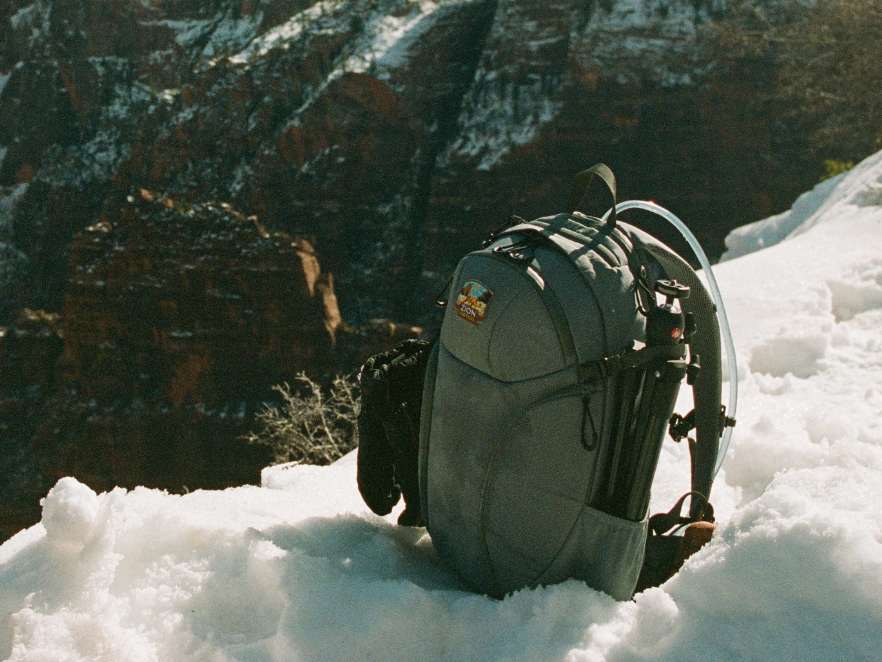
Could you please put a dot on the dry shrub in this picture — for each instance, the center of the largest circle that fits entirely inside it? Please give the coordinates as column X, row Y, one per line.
column 311, row 424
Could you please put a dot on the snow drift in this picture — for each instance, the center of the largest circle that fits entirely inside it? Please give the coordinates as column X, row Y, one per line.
column 298, row 569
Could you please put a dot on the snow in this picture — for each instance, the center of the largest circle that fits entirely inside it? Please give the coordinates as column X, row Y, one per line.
column 379, row 44
column 99, row 157
column 298, row 569
column 69, row 513
column 633, row 42
column 320, row 17
column 187, row 32
column 644, row 40
column 126, row 99
column 35, row 16
column 220, row 36
column 495, row 124
column 9, row 198
column 769, row 231
column 387, row 38
column 381, row 41
column 23, row 16
column 508, row 105
column 241, row 177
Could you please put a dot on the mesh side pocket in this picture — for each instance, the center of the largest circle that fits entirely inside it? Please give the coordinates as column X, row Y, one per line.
column 604, row 551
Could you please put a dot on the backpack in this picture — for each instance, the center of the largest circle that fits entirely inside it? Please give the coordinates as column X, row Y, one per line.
column 545, row 399
column 549, row 393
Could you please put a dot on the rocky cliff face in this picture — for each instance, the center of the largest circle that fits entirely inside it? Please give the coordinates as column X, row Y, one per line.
column 192, row 304
column 392, row 133
column 29, row 352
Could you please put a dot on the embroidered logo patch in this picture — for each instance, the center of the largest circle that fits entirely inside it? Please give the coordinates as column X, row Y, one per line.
column 473, row 301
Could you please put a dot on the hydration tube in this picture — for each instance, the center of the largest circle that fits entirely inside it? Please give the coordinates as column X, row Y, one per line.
column 732, row 406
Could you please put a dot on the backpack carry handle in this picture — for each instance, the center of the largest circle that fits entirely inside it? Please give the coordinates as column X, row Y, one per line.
column 583, row 180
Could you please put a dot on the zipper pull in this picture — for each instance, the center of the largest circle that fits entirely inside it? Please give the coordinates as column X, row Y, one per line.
column 589, row 419
column 516, row 252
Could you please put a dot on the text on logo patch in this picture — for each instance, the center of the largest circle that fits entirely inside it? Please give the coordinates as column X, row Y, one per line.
column 473, row 301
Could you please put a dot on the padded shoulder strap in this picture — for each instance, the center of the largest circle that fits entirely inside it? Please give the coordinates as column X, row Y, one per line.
column 708, row 385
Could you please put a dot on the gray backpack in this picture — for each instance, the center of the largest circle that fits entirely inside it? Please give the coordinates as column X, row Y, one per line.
column 563, row 346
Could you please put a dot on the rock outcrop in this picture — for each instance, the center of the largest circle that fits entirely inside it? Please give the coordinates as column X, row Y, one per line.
column 192, row 304
column 177, row 320
column 29, row 351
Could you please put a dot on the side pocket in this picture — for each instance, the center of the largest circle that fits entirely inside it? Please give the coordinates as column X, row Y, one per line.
column 604, row 551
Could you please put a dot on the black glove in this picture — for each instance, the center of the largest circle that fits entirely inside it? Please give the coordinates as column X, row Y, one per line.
column 388, row 429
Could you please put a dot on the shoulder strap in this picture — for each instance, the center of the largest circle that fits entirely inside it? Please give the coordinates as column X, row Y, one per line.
column 583, row 180
column 708, row 383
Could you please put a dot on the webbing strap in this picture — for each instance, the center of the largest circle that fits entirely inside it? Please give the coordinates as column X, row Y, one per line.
column 549, row 238
column 609, row 366
column 583, row 180
column 662, row 523
column 548, row 297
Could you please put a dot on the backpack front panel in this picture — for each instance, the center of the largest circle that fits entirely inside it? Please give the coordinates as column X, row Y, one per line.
column 493, row 363
column 508, row 457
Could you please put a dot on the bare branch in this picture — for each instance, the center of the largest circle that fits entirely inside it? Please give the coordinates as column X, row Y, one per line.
column 310, row 424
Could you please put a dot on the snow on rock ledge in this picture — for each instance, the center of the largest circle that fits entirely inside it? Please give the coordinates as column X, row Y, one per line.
column 856, row 193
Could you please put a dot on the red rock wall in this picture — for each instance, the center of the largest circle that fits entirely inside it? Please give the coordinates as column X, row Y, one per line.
column 177, row 321
column 392, row 160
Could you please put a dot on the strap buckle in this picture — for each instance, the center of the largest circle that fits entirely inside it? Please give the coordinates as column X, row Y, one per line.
column 667, row 523
column 725, row 421
column 601, row 369
column 679, row 427
column 494, row 234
